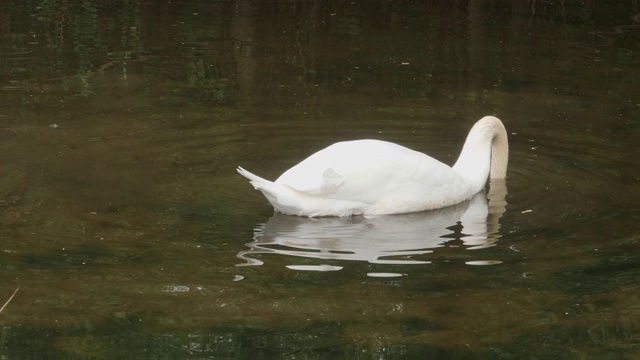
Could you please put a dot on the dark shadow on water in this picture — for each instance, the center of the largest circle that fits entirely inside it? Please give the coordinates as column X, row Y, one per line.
column 316, row 341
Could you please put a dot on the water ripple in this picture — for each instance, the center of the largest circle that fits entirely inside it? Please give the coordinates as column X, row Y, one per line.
column 406, row 239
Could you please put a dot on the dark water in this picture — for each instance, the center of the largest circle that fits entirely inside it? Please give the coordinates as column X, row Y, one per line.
column 130, row 235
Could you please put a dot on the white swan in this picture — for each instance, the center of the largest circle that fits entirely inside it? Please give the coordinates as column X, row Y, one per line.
column 373, row 177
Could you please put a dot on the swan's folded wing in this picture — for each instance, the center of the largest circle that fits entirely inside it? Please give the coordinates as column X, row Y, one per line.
column 331, row 181
column 314, row 184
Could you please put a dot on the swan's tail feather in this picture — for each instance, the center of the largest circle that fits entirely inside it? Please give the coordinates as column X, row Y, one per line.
column 288, row 200
column 278, row 195
column 257, row 182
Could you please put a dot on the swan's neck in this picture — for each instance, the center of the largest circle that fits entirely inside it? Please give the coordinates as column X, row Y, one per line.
column 485, row 153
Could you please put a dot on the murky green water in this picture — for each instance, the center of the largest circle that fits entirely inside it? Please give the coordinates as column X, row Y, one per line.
column 130, row 235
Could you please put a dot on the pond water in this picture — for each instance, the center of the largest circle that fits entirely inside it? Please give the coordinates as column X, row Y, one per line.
column 130, row 235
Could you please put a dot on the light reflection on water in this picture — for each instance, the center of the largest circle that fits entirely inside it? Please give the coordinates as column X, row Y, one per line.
column 396, row 239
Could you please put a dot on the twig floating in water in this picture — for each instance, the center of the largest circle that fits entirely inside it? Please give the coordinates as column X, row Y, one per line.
column 11, row 297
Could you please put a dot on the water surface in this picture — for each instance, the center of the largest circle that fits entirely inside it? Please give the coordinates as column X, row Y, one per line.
column 130, row 235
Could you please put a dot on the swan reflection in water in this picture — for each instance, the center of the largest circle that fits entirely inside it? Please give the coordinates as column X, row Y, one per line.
column 387, row 239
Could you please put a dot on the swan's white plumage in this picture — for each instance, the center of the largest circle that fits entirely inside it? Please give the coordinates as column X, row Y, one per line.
column 373, row 177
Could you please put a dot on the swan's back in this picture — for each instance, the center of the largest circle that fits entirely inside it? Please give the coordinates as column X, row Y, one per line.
column 382, row 177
